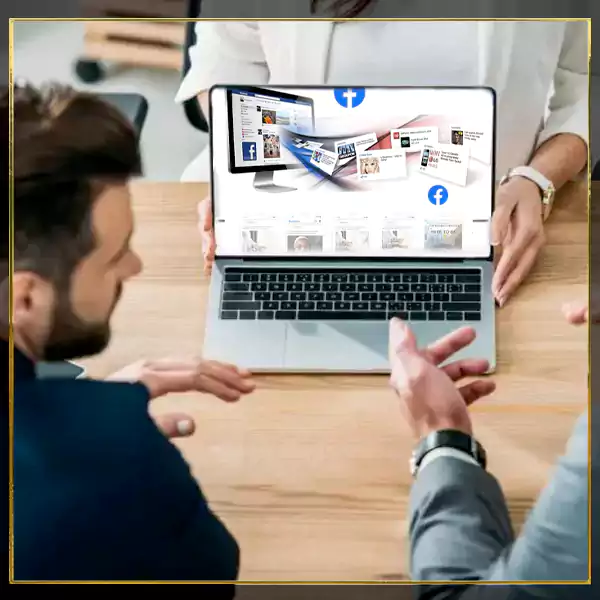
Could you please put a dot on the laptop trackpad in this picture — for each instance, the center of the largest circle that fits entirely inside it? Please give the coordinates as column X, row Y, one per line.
column 361, row 346
column 256, row 345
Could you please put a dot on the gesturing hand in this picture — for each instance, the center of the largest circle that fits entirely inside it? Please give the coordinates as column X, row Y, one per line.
column 162, row 377
column 429, row 397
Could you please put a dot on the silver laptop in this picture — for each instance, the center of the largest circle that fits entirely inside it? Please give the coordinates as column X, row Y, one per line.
column 336, row 209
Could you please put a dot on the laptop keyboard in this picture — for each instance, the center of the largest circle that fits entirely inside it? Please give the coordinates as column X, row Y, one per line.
column 354, row 295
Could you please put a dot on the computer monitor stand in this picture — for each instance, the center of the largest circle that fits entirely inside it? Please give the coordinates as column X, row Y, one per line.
column 263, row 182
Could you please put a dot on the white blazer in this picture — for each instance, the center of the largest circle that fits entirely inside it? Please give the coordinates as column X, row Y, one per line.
column 522, row 60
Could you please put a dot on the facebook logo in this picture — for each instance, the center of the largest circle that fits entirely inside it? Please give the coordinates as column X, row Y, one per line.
column 248, row 150
column 437, row 195
column 349, row 97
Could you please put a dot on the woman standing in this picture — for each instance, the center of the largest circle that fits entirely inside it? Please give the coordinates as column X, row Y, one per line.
column 538, row 69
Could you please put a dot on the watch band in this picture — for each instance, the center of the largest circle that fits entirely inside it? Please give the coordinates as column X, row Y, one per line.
column 448, row 438
column 546, row 187
column 533, row 175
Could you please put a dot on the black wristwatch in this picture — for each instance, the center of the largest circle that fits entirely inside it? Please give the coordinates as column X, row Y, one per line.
column 447, row 438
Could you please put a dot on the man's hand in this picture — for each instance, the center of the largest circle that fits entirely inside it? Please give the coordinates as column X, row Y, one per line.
column 578, row 313
column 429, row 397
column 517, row 226
column 175, row 425
column 227, row 382
column 167, row 376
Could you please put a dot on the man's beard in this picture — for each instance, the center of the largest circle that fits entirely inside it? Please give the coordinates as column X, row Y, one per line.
column 70, row 337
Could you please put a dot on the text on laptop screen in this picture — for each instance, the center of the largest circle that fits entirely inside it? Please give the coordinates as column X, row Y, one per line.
column 364, row 172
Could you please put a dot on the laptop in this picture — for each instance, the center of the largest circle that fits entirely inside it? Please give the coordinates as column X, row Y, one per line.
column 336, row 209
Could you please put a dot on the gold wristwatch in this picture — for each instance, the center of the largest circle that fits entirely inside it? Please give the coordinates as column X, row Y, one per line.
column 547, row 188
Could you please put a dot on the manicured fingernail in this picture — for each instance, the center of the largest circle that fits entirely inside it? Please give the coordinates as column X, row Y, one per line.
column 185, row 427
column 501, row 301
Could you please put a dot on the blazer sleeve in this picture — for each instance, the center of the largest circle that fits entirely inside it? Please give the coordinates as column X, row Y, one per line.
column 185, row 539
column 568, row 107
column 460, row 528
column 225, row 52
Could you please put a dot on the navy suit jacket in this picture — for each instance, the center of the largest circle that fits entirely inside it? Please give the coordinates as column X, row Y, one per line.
column 101, row 494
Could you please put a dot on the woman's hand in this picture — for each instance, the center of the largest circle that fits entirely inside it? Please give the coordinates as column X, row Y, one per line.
column 517, row 226
column 205, row 227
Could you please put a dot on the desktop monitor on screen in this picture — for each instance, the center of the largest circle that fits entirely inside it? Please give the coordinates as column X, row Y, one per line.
column 257, row 119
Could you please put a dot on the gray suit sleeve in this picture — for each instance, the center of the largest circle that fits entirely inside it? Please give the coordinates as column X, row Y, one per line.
column 460, row 528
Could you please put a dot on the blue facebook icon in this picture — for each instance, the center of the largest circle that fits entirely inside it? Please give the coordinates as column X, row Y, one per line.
column 437, row 195
column 248, row 150
column 349, row 97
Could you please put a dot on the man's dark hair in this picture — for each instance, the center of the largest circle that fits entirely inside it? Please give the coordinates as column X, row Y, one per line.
column 343, row 9
column 66, row 146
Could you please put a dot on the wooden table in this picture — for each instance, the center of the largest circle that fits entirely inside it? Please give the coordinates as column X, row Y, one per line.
column 311, row 472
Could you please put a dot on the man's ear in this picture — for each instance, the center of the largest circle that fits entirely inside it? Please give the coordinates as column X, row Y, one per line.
column 32, row 298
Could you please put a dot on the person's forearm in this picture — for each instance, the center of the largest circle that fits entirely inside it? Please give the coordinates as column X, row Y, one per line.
column 460, row 529
column 561, row 158
column 456, row 504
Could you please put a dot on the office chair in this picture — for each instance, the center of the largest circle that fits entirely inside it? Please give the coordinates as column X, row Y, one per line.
column 133, row 106
column 191, row 107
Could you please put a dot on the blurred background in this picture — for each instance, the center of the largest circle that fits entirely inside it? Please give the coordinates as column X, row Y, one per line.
column 97, row 56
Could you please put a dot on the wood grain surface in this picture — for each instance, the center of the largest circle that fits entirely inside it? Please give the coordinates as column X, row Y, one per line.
column 311, row 472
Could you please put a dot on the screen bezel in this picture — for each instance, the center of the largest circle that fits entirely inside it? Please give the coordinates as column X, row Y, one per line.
column 363, row 258
column 233, row 168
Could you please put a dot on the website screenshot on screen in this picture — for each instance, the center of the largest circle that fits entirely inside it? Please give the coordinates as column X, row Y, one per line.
column 385, row 172
column 259, row 122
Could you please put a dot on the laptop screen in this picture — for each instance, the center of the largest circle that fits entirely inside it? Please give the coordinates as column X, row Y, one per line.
column 357, row 172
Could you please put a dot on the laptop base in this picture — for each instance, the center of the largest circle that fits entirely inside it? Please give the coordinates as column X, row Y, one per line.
column 332, row 346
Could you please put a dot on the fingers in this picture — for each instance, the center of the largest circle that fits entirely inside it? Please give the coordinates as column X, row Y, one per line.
column 466, row 368
column 514, row 266
column 173, row 364
column 520, row 251
column 208, row 251
column 471, row 392
column 576, row 313
column 223, row 381
column 450, row 344
column 205, row 226
column 175, row 425
column 205, row 214
column 401, row 340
